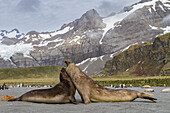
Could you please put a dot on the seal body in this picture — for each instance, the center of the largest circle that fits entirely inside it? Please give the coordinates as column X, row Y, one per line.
column 89, row 90
column 61, row 93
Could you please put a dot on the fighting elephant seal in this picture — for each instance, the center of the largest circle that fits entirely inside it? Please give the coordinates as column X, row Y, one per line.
column 63, row 92
column 89, row 90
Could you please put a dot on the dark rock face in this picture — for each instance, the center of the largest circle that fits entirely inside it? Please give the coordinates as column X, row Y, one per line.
column 148, row 59
column 11, row 41
column 6, row 64
column 20, row 61
column 89, row 20
column 47, row 57
column 87, row 37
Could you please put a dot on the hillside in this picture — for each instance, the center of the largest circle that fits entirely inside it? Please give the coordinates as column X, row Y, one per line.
column 49, row 76
column 147, row 59
column 31, row 72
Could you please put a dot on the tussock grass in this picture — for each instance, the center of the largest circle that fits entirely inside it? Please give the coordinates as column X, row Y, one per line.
column 105, row 81
column 136, row 81
column 43, row 75
column 110, row 78
column 49, row 75
column 32, row 81
column 31, row 72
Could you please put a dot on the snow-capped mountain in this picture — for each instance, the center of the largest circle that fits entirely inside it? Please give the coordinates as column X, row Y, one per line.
column 11, row 34
column 138, row 23
column 90, row 40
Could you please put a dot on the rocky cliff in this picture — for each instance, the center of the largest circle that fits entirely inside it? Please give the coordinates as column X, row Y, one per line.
column 137, row 23
column 147, row 59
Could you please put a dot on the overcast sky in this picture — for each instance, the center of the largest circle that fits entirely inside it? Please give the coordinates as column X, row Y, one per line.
column 50, row 15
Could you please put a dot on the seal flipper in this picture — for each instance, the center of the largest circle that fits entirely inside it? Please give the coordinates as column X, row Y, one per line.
column 15, row 99
column 86, row 99
column 146, row 96
column 73, row 100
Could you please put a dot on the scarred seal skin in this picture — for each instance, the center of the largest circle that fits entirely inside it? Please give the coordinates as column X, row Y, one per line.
column 63, row 92
column 90, row 91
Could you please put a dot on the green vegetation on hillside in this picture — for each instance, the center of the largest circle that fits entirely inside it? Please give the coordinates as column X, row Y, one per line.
column 148, row 59
column 49, row 75
column 31, row 72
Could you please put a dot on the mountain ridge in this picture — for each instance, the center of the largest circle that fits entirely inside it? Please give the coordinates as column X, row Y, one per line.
column 14, row 33
column 90, row 38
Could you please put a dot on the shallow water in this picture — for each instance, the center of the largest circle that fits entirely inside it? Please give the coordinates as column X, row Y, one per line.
column 137, row 106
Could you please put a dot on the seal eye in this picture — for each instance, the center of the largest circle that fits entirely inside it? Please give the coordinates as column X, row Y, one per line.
column 68, row 62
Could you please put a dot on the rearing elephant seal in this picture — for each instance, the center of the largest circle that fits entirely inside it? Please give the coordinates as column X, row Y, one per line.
column 89, row 90
column 61, row 93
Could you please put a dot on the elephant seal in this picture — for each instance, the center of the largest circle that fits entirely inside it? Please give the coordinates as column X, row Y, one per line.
column 63, row 92
column 90, row 91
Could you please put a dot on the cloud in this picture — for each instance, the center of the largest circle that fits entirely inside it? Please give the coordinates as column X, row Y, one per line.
column 50, row 15
column 28, row 5
column 109, row 6
column 105, row 8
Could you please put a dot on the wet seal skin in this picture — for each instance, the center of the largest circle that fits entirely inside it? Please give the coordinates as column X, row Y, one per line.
column 62, row 93
column 90, row 91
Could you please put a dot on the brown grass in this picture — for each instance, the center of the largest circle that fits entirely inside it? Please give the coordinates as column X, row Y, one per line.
column 128, row 78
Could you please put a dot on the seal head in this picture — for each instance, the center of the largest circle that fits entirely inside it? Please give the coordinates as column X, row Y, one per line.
column 68, row 61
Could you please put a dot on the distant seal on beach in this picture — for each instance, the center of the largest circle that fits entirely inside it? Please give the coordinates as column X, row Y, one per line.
column 63, row 92
column 166, row 90
column 90, row 91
